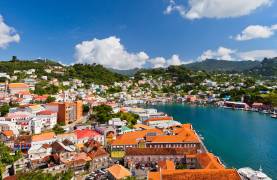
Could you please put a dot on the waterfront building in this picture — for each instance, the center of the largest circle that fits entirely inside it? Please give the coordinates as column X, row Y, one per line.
column 175, row 137
column 154, row 121
column 236, row 105
column 135, row 156
column 218, row 174
column 205, row 166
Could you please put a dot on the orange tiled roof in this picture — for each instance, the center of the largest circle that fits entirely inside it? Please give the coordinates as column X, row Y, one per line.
column 8, row 133
column 159, row 151
column 181, row 134
column 132, row 137
column 163, row 118
column 208, row 161
column 118, row 171
column 43, row 136
column 184, row 133
column 142, row 126
column 18, row 85
column 195, row 174
column 167, row 164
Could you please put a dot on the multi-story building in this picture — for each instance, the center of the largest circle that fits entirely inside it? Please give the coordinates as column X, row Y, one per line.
column 177, row 137
column 207, row 167
column 48, row 118
column 68, row 112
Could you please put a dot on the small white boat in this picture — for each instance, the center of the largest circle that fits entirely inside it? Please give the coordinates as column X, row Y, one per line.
column 248, row 173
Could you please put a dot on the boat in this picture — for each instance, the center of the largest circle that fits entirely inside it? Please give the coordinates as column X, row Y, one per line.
column 248, row 173
column 274, row 115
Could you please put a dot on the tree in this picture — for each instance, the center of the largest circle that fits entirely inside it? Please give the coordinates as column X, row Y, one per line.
column 102, row 113
column 50, row 99
column 39, row 174
column 6, row 158
column 85, row 108
column 4, row 109
column 131, row 118
column 58, row 130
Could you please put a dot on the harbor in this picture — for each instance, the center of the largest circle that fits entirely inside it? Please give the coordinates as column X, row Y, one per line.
column 236, row 137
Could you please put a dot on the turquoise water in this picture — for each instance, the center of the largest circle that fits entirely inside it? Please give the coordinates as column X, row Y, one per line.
column 239, row 138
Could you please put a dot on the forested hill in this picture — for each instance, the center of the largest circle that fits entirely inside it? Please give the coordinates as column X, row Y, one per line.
column 87, row 73
column 223, row 65
column 268, row 67
column 38, row 64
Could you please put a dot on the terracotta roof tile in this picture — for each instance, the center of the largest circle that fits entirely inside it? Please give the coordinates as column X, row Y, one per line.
column 209, row 161
column 118, row 171
column 159, row 151
column 18, row 85
column 162, row 118
column 132, row 138
column 195, row 174
column 8, row 133
column 43, row 136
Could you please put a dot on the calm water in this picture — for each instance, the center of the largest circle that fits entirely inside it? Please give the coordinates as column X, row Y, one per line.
column 239, row 138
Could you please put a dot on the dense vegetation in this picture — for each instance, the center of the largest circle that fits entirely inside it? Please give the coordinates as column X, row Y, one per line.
column 268, row 67
column 93, row 74
column 58, row 129
column 38, row 65
column 45, row 176
column 223, row 65
column 104, row 113
column 179, row 74
column 87, row 73
column 6, row 158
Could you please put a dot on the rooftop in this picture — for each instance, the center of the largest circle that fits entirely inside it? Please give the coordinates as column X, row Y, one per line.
column 195, row 174
column 159, row 151
column 43, row 136
column 118, row 171
column 18, row 85
column 86, row 133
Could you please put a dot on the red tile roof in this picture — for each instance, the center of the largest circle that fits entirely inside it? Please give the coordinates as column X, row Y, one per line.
column 45, row 112
column 195, row 174
column 86, row 133
column 163, row 118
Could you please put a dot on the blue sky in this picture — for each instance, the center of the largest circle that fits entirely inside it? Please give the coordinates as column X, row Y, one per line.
column 125, row 34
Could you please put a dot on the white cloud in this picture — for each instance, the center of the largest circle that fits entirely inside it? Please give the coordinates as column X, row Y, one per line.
column 216, row 8
column 159, row 62
column 110, row 53
column 256, row 31
column 221, row 53
column 7, row 34
column 258, row 54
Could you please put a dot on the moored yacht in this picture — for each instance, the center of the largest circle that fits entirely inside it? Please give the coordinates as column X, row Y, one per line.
column 248, row 173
